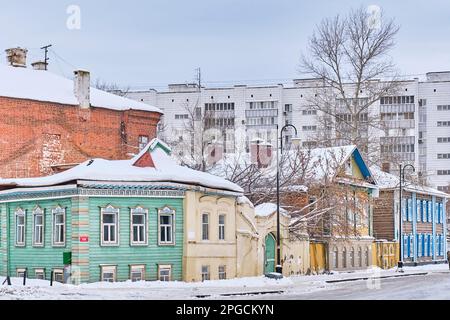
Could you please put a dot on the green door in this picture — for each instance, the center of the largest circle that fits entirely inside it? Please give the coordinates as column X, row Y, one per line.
column 269, row 261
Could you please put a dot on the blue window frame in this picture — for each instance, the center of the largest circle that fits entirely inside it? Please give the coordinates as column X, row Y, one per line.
column 426, row 245
column 418, row 247
column 430, row 211
column 405, row 246
column 410, row 210
column 411, row 246
column 404, row 210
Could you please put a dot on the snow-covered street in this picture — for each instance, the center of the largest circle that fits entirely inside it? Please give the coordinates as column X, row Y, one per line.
column 427, row 282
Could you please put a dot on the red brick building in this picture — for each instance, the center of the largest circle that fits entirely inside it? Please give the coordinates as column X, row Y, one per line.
column 48, row 122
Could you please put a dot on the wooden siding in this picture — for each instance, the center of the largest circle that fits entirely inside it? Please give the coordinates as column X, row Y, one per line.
column 125, row 255
column 29, row 257
column 383, row 217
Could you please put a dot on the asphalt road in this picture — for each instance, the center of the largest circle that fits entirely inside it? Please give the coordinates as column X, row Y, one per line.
column 432, row 286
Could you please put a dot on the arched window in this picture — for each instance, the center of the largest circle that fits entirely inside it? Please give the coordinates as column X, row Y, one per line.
column 20, row 227
column 344, row 258
column 139, row 223
column 360, row 257
column 59, row 227
column 367, row 256
column 166, row 226
column 110, row 226
column 38, row 227
column 352, row 257
column 335, row 257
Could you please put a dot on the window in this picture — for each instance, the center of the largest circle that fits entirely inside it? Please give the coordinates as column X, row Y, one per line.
column 205, row 226
column 352, row 257
column 143, row 142
column 108, row 273
column 165, row 273
column 441, row 156
column 166, row 226
column 206, row 276
column 21, row 273
column 59, row 226
column 360, row 258
column 222, row 272
column 137, row 273
column 20, row 228
column 443, row 140
column 443, row 108
column 443, row 172
column 139, row 226
column 39, row 274
column 335, row 257
column 222, row 218
column 38, row 227
column 443, row 124
column 58, row 275
column 110, row 226
column 344, row 258
column 405, row 246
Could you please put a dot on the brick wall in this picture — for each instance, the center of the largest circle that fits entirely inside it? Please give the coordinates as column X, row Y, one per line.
column 34, row 136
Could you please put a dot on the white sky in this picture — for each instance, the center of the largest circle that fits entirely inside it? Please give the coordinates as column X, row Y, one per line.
column 151, row 43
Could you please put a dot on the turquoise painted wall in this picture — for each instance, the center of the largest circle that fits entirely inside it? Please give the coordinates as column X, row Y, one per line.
column 30, row 257
column 125, row 254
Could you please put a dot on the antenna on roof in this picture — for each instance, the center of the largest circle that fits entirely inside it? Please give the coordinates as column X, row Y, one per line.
column 46, row 55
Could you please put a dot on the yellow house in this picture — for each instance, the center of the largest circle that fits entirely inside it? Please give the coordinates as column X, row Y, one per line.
column 294, row 248
column 221, row 239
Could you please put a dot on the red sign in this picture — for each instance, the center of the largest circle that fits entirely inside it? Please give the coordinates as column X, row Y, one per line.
column 84, row 239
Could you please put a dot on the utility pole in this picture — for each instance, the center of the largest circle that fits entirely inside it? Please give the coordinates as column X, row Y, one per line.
column 46, row 54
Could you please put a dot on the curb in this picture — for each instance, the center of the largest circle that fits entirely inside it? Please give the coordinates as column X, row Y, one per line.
column 380, row 277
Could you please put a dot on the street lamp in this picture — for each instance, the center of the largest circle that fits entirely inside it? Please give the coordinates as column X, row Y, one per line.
column 400, row 241
column 279, row 268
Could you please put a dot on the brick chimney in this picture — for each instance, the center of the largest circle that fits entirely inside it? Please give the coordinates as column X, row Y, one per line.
column 39, row 65
column 17, row 57
column 82, row 88
column 261, row 153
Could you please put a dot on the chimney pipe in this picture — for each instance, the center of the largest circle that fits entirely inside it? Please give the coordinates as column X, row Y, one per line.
column 17, row 57
column 39, row 65
column 82, row 88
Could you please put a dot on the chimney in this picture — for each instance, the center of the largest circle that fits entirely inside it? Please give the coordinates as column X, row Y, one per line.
column 17, row 57
column 261, row 153
column 39, row 65
column 82, row 88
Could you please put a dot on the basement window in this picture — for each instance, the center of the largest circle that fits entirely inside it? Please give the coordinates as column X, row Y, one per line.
column 108, row 273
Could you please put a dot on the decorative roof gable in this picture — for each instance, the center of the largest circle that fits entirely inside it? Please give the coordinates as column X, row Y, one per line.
column 145, row 159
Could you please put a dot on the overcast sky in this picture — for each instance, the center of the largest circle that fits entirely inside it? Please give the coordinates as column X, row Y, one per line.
column 151, row 43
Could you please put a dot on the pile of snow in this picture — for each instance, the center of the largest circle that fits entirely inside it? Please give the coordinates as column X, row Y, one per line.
column 267, row 209
column 386, row 180
column 165, row 170
column 39, row 85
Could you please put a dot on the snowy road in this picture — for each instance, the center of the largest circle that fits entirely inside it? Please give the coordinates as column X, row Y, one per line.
column 426, row 282
column 432, row 286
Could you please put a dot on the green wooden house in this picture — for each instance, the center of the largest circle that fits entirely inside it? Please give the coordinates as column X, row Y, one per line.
column 101, row 220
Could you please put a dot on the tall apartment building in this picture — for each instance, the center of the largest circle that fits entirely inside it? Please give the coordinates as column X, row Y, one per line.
column 416, row 120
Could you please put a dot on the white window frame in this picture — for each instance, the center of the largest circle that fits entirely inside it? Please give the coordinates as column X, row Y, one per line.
column 207, row 224
column 20, row 272
column 57, row 211
column 206, row 276
column 36, row 212
column 222, row 227
column 162, row 267
column 108, row 269
column 167, row 211
column 21, row 213
column 139, row 211
column 137, row 268
column 109, row 243
column 39, row 271
column 140, row 142
column 60, row 272
column 222, row 273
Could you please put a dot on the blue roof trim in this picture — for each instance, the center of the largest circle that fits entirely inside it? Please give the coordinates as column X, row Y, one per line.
column 362, row 165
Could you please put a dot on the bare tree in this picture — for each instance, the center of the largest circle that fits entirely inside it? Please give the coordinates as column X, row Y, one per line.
column 111, row 88
column 350, row 58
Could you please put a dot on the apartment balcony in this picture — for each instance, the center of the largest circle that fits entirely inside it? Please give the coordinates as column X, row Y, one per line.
column 399, row 124
column 397, row 108
column 260, row 113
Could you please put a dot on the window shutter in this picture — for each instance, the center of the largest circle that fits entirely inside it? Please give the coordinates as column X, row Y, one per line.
column 427, row 252
column 418, row 210
column 404, row 210
column 405, row 246
column 430, row 211
column 411, row 245
column 410, row 215
column 441, row 212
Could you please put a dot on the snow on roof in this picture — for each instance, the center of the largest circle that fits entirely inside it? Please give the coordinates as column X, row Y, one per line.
column 267, row 209
column 386, row 180
column 244, row 200
column 165, row 169
column 39, row 85
column 325, row 162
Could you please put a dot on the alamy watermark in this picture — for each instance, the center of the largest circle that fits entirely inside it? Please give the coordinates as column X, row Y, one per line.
column 73, row 21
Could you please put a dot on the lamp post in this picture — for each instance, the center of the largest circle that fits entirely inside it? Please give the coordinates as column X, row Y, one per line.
column 279, row 268
column 400, row 240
